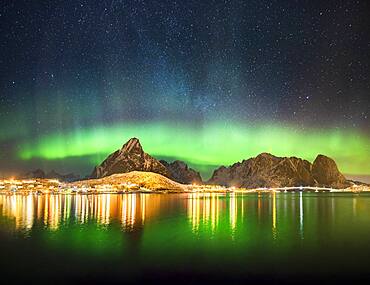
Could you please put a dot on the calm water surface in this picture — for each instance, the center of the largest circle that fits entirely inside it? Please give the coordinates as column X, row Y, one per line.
column 185, row 238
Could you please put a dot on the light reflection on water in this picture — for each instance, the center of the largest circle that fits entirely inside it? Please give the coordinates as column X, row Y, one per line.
column 130, row 210
column 52, row 210
column 208, row 212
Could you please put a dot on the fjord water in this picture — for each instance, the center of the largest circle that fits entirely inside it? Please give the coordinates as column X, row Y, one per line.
column 185, row 238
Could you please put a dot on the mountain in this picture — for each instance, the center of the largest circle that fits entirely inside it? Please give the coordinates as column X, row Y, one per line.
column 62, row 177
column 326, row 172
column 148, row 180
column 180, row 172
column 39, row 173
column 267, row 170
column 130, row 157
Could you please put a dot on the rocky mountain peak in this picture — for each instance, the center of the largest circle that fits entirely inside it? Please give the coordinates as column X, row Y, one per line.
column 265, row 155
column 131, row 157
column 132, row 145
column 325, row 171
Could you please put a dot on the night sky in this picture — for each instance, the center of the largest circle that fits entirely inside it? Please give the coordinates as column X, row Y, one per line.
column 207, row 82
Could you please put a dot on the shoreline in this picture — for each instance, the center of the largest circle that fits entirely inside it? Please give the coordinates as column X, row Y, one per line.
column 92, row 191
column 149, row 183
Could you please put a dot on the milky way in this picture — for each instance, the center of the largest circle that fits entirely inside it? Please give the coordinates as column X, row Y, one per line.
column 208, row 82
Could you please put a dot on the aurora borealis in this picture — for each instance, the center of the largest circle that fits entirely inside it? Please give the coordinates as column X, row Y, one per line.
column 209, row 145
column 207, row 82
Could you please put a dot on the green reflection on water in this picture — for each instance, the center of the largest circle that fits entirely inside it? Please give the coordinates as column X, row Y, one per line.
column 229, row 235
column 89, row 238
column 231, row 225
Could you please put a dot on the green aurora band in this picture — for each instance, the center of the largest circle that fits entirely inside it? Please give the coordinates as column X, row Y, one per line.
column 207, row 145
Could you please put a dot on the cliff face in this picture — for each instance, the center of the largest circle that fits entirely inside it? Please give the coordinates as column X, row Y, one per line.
column 180, row 172
column 266, row 170
column 326, row 172
column 130, row 157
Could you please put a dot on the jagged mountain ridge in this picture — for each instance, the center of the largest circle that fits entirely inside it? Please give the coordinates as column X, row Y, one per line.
column 131, row 157
column 267, row 170
column 264, row 170
column 180, row 172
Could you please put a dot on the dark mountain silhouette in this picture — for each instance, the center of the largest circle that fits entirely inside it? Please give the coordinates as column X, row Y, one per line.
column 62, row 177
column 180, row 172
column 39, row 173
